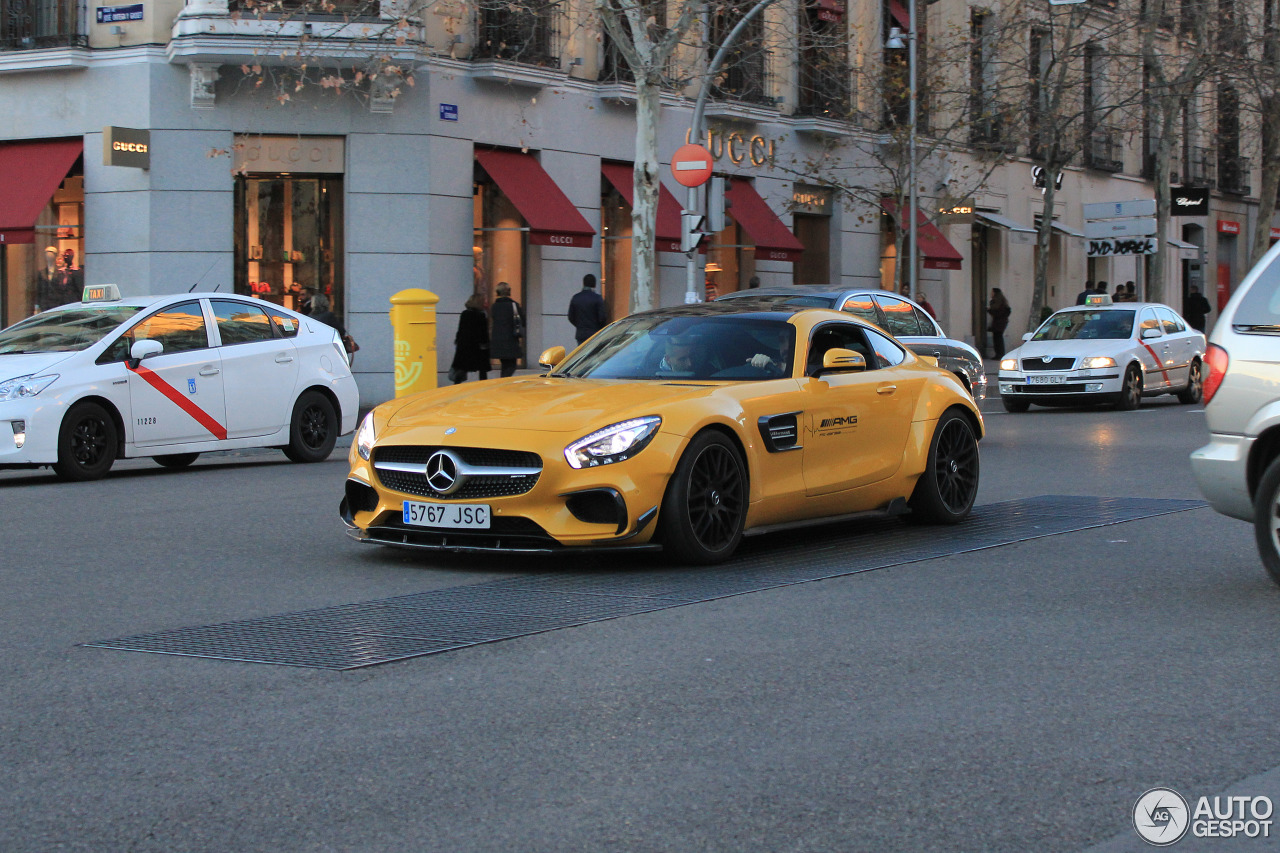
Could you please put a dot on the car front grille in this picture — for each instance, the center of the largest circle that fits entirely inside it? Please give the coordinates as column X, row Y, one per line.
column 1065, row 388
column 1051, row 364
column 475, row 487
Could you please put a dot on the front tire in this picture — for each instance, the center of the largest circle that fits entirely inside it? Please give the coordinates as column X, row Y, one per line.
column 87, row 443
column 176, row 460
column 946, row 490
column 313, row 429
column 705, row 507
column 1266, row 520
column 1014, row 406
column 1194, row 392
column 1131, row 392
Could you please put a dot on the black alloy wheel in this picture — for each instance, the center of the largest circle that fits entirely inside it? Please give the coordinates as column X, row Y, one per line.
column 1131, row 392
column 1194, row 392
column 705, row 508
column 87, row 443
column 313, row 430
column 946, row 490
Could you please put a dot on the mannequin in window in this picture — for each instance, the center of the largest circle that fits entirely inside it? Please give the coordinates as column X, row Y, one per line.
column 70, row 284
column 45, row 278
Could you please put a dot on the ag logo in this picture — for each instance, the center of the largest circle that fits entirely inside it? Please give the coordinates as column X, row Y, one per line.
column 1161, row 817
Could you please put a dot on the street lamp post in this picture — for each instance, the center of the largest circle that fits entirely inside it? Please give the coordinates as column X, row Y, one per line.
column 913, row 243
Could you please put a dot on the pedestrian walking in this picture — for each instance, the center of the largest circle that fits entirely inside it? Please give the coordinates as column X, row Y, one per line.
column 1118, row 296
column 1086, row 293
column 506, row 342
column 471, row 343
column 586, row 310
column 1196, row 308
column 1130, row 292
column 999, row 310
column 924, row 303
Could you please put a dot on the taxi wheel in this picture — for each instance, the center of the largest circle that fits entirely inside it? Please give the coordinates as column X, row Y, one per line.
column 1194, row 392
column 1131, row 391
column 176, row 460
column 945, row 492
column 1015, row 406
column 87, row 443
column 313, row 430
column 705, row 507
column 1266, row 520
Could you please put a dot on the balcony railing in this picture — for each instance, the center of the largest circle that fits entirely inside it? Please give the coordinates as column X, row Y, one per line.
column 521, row 31
column 824, row 90
column 1233, row 175
column 307, row 8
column 1199, row 166
column 1105, row 152
column 745, row 77
column 34, row 24
column 990, row 125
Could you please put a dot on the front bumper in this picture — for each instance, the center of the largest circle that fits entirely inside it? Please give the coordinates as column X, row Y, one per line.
column 1062, row 386
column 29, row 432
column 1221, row 469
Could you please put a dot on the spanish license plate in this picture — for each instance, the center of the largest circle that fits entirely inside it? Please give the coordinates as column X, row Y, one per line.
column 465, row 516
column 1046, row 380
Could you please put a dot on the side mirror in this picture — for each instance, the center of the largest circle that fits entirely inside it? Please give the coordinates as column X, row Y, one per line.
column 551, row 357
column 842, row 359
column 144, row 349
column 1027, row 336
column 1150, row 333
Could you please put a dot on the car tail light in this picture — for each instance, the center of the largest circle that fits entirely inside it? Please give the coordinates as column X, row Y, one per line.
column 1216, row 360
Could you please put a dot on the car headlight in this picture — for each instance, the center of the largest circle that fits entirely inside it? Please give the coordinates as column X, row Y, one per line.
column 25, row 386
column 364, row 437
column 1097, row 361
column 1009, row 364
column 614, row 443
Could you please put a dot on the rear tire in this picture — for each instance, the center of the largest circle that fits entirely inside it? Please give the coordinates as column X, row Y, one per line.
column 1131, row 391
column 946, row 490
column 1266, row 520
column 705, row 507
column 176, row 460
column 1014, row 406
column 87, row 443
column 1194, row 392
column 313, row 429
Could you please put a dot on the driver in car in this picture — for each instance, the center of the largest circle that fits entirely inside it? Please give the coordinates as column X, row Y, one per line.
column 775, row 361
column 679, row 357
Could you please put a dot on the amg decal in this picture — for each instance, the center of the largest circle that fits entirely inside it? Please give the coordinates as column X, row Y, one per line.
column 827, row 423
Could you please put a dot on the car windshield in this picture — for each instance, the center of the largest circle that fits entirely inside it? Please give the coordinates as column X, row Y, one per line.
column 1086, row 325
column 1259, row 309
column 65, row 330
column 732, row 348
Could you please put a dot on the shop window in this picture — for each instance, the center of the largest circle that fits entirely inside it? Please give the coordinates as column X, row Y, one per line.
column 814, row 265
column 498, row 246
column 615, row 249
column 289, row 239
column 731, row 260
column 49, row 271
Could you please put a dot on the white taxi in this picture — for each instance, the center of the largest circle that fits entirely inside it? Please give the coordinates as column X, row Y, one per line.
column 169, row 377
column 1101, row 352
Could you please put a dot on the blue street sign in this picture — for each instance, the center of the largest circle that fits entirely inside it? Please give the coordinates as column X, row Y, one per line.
column 448, row 112
column 114, row 14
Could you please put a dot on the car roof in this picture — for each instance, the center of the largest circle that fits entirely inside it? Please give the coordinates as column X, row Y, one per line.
column 740, row 307
column 1115, row 306
column 156, row 299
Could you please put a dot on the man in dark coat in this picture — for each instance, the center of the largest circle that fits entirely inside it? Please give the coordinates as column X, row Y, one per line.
column 1084, row 294
column 506, row 342
column 471, row 342
column 1196, row 308
column 586, row 310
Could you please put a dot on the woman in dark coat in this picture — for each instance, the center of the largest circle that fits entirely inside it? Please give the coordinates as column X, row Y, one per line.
column 999, row 310
column 506, row 344
column 471, row 342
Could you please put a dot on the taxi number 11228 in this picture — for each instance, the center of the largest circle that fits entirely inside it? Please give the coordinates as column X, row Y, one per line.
column 470, row 516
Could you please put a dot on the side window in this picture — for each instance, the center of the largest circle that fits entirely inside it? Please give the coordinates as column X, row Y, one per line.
column 1170, row 321
column 837, row 336
column 900, row 317
column 179, row 328
column 1147, row 321
column 928, row 328
column 286, row 325
column 888, row 353
column 239, row 323
column 862, row 307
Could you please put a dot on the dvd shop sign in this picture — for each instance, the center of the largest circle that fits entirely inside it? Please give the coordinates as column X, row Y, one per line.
column 1134, row 246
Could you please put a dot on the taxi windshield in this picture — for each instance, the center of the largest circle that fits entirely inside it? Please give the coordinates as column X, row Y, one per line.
column 687, row 348
column 1086, row 325
column 65, row 330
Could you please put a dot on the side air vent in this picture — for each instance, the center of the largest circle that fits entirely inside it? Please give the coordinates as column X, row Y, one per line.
column 781, row 432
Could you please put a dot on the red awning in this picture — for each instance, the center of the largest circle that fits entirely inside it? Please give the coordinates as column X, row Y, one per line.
column 937, row 251
column 668, row 226
column 900, row 14
column 30, row 173
column 552, row 218
column 774, row 242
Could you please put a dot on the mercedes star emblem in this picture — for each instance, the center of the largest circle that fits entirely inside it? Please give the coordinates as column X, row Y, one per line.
column 442, row 472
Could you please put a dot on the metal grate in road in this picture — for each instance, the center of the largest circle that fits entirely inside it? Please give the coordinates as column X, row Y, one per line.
column 351, row 636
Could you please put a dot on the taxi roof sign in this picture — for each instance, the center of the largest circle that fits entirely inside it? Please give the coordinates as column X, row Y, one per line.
column 1098, row 299
column 101, row 293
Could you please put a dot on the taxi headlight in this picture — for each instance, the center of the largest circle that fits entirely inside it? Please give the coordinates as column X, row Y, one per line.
column 1009, row 364
column 1097, row 361
column 25, row 386
column 614, row 443
column 364, row 437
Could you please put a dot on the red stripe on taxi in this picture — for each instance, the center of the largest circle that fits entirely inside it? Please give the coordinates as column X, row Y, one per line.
column 1159, row 364
column 183, row 402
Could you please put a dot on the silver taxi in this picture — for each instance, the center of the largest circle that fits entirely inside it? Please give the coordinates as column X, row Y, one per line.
column 169, row 377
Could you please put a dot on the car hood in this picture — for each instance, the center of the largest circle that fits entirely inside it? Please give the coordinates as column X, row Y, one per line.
column 545, row 404
column 13, row 365
column 1070, row 349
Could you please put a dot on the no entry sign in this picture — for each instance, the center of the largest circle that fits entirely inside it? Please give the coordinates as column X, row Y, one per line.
column 691, row 165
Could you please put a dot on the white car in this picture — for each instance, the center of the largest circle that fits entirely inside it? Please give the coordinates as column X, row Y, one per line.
column 169, row 377
column 1104, row 353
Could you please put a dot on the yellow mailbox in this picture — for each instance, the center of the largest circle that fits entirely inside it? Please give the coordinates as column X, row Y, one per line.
column 413, row 325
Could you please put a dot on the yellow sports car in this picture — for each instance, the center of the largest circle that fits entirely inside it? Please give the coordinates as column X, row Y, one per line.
column 682, row 428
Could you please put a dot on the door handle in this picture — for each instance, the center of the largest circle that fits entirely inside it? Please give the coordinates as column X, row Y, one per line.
column 886, row 389
column 209, row 371
column 283, row 358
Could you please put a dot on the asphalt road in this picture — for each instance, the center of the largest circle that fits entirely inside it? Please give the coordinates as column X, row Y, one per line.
column 1019, row 698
